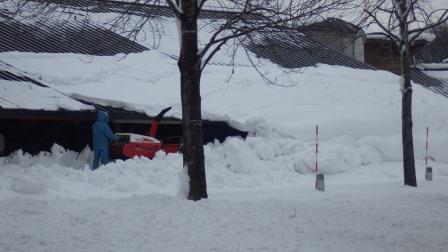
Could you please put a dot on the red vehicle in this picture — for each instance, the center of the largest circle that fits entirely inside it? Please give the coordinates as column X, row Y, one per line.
column 130, row 145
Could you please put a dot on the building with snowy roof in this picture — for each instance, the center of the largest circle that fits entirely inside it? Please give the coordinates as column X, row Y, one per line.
column 134, row 88
column 56, row 111
column 339, row 35
column 383, row 54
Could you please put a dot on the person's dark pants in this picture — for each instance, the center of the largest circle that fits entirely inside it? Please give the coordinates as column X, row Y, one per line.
column 100, row 154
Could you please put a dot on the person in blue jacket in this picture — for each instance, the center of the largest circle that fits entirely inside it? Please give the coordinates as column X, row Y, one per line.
column 102, row 134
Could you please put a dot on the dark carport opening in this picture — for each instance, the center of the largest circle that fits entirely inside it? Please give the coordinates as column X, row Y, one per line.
column 213, row 130
column 33, row 135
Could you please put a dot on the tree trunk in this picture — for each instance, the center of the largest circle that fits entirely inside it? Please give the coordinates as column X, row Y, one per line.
column 406, row 109
column 407, row 137
column 189, row 66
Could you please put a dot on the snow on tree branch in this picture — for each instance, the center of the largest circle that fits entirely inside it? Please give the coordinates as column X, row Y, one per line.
column 176, row 6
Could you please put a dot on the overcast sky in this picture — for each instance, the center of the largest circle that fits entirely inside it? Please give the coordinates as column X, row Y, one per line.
column 441, row 4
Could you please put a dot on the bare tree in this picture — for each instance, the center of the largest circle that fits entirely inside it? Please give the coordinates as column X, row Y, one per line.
column 251, row 16
column 437, row 51
column 243, row 18
column 404, row 22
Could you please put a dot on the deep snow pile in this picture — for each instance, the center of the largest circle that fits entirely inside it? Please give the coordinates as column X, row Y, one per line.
column 52, row 202
column 252, row 164
column 235, row 164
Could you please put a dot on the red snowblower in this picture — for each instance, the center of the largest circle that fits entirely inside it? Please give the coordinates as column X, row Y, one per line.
column 130, row 145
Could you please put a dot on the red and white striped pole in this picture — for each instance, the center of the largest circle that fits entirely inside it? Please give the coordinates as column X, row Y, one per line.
column 317, row 146
column 426, row 149
column 428, row 170
column 320, row 184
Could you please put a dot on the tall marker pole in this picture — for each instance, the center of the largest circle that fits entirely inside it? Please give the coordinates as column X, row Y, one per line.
column 317, row 146
column 428, row 169
column 320, row 184
column 426, row 155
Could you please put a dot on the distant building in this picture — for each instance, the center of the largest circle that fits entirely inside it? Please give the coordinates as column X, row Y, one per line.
column 383, row 54
column 344, row 37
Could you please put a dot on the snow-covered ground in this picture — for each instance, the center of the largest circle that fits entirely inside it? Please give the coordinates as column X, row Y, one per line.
column 52, row 202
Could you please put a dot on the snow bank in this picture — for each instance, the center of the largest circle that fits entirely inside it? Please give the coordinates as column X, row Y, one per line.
column 236, row 164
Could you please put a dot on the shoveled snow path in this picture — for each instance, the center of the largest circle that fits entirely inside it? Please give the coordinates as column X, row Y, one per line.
column 372, row 217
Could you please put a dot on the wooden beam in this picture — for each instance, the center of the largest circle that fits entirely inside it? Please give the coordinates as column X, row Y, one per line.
column 47, row 115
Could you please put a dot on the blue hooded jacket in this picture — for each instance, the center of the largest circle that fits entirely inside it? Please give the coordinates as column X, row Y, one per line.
column 102, row 133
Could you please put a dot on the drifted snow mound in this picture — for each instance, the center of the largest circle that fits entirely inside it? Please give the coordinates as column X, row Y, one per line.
column 57, row 155
column 29, row 185
column 235, row 164
column 28, row 174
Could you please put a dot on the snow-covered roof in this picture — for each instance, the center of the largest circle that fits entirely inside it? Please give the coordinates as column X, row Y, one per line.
column 426, row 36
column 432, row 75
column 26, row 95
column 337, row 98
column 55, row 36
column 294, row 50
column 440, row 75
column 433, row 66
column 337, row 25
column 21, row 92
column 436, row 81
column 92, row 37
